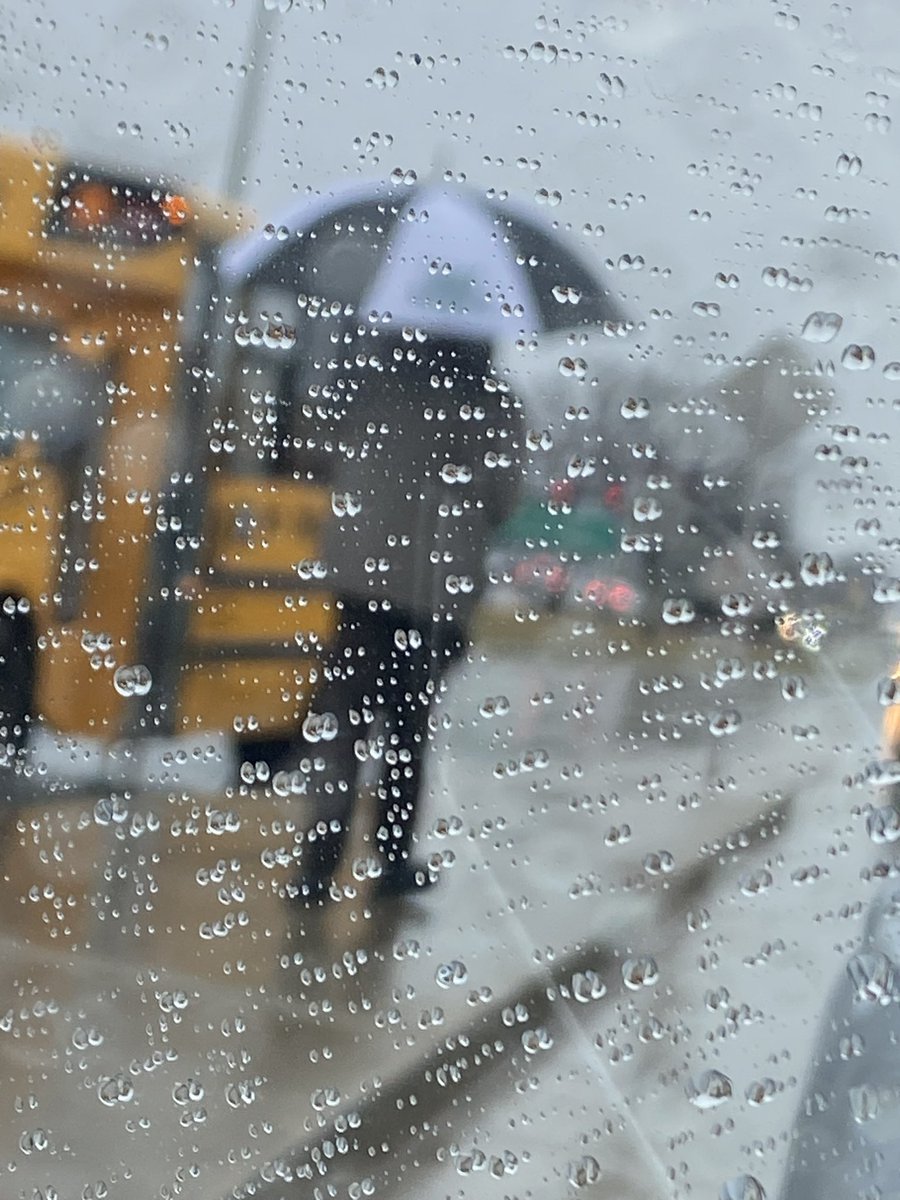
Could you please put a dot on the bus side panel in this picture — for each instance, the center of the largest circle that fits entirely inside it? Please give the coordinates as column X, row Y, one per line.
column 31, row 503
column 77, row 697
column 247, row 697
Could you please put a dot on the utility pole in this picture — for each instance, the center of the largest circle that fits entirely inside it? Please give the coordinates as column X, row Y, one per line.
column 241, row 145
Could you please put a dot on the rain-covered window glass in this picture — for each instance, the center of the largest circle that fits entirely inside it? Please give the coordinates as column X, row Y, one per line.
column 449, row 583
column 45, row 392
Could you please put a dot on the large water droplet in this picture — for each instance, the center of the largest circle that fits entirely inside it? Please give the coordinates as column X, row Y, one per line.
column 756, row 882
column 864, row 1103
column 320, row 727
column 677, row 610
column 587, row 986
column 725, row 723
column 572, row 367
column 822, row 326
column 640, row 972
column 709, row 1090
column 857, row 358
column 817, row 569
column 451, row 974
column 635, row 408
column 647, row 508
column 883, row 825
column 132, row 681
column 115, row 1089
column 886, row 592
column 742, row 1187
column 872, row 976
column 535, row 1040
column 584, row 1172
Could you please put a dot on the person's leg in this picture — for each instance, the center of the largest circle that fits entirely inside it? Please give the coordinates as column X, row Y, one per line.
column 416, row 671
column 340, row 714
column 406, row 740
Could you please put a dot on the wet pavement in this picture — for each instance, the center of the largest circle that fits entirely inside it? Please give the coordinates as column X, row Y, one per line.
column 651, row 867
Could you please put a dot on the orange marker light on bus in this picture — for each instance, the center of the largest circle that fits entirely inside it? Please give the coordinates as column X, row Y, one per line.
column 176, row 210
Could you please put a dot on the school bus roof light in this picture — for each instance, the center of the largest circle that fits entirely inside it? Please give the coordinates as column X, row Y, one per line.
column 109, row 208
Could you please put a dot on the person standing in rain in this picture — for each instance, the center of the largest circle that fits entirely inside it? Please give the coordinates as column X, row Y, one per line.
column 425, row 443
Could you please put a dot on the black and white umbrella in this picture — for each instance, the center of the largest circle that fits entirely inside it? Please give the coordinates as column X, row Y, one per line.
column 436, row 256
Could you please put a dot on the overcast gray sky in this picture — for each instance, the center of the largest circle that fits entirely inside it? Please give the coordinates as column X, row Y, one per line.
column 703, row 137
column 159, row 86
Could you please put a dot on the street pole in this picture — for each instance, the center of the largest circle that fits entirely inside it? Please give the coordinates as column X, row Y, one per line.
column 241, row 147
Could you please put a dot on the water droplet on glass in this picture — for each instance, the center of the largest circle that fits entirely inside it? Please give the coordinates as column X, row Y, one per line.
column 848, row 164
column 736, row 604
column 475, row 1160
column 756, row 883
column 584, row 1172
column 587, row 986
column 132, row 681
column 646, row 508
column 760, row 1091
column 323, row 1098
column 817, row 569
column 640, row 972
column 33, row 1141
column 346, row 504
column 725, row 723
column 793, row 687
column 709, row 1090
column 115, row 1089
column 240, row 1093
column 822, row 326
column 877, row 122
column 572, row 367
column 872, row 976
column 635, row 408
column 611, row 85
column 883, row 825
column 742, row 1187
column 857, row 358
column 320, row 727
column 406, row 178
column 563, row 294
column 864, row 1103
column 535, row 1040
column 678, row 610
column 191, row 1091
column 886, row 592
column 451, row 974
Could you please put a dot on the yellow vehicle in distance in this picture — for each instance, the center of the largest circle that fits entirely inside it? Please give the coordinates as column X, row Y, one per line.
column 149, row 577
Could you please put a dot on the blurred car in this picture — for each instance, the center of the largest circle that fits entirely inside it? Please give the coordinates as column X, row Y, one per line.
column 846, row 1137
column 548, row 582
column 562, row 550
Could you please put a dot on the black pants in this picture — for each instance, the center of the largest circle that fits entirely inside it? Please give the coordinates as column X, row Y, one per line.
column 380, row 679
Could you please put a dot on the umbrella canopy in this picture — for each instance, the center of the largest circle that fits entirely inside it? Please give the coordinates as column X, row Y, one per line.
column 440, row 257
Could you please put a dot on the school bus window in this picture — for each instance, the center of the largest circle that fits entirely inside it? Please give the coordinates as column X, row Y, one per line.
column 45, row 393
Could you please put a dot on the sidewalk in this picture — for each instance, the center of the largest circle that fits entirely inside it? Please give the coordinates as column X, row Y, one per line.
column 172, row 1026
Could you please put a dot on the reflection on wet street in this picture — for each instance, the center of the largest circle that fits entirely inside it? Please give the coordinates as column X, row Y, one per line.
column 653, row 862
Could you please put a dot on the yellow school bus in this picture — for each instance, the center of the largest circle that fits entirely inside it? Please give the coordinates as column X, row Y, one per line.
column 154, row 572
